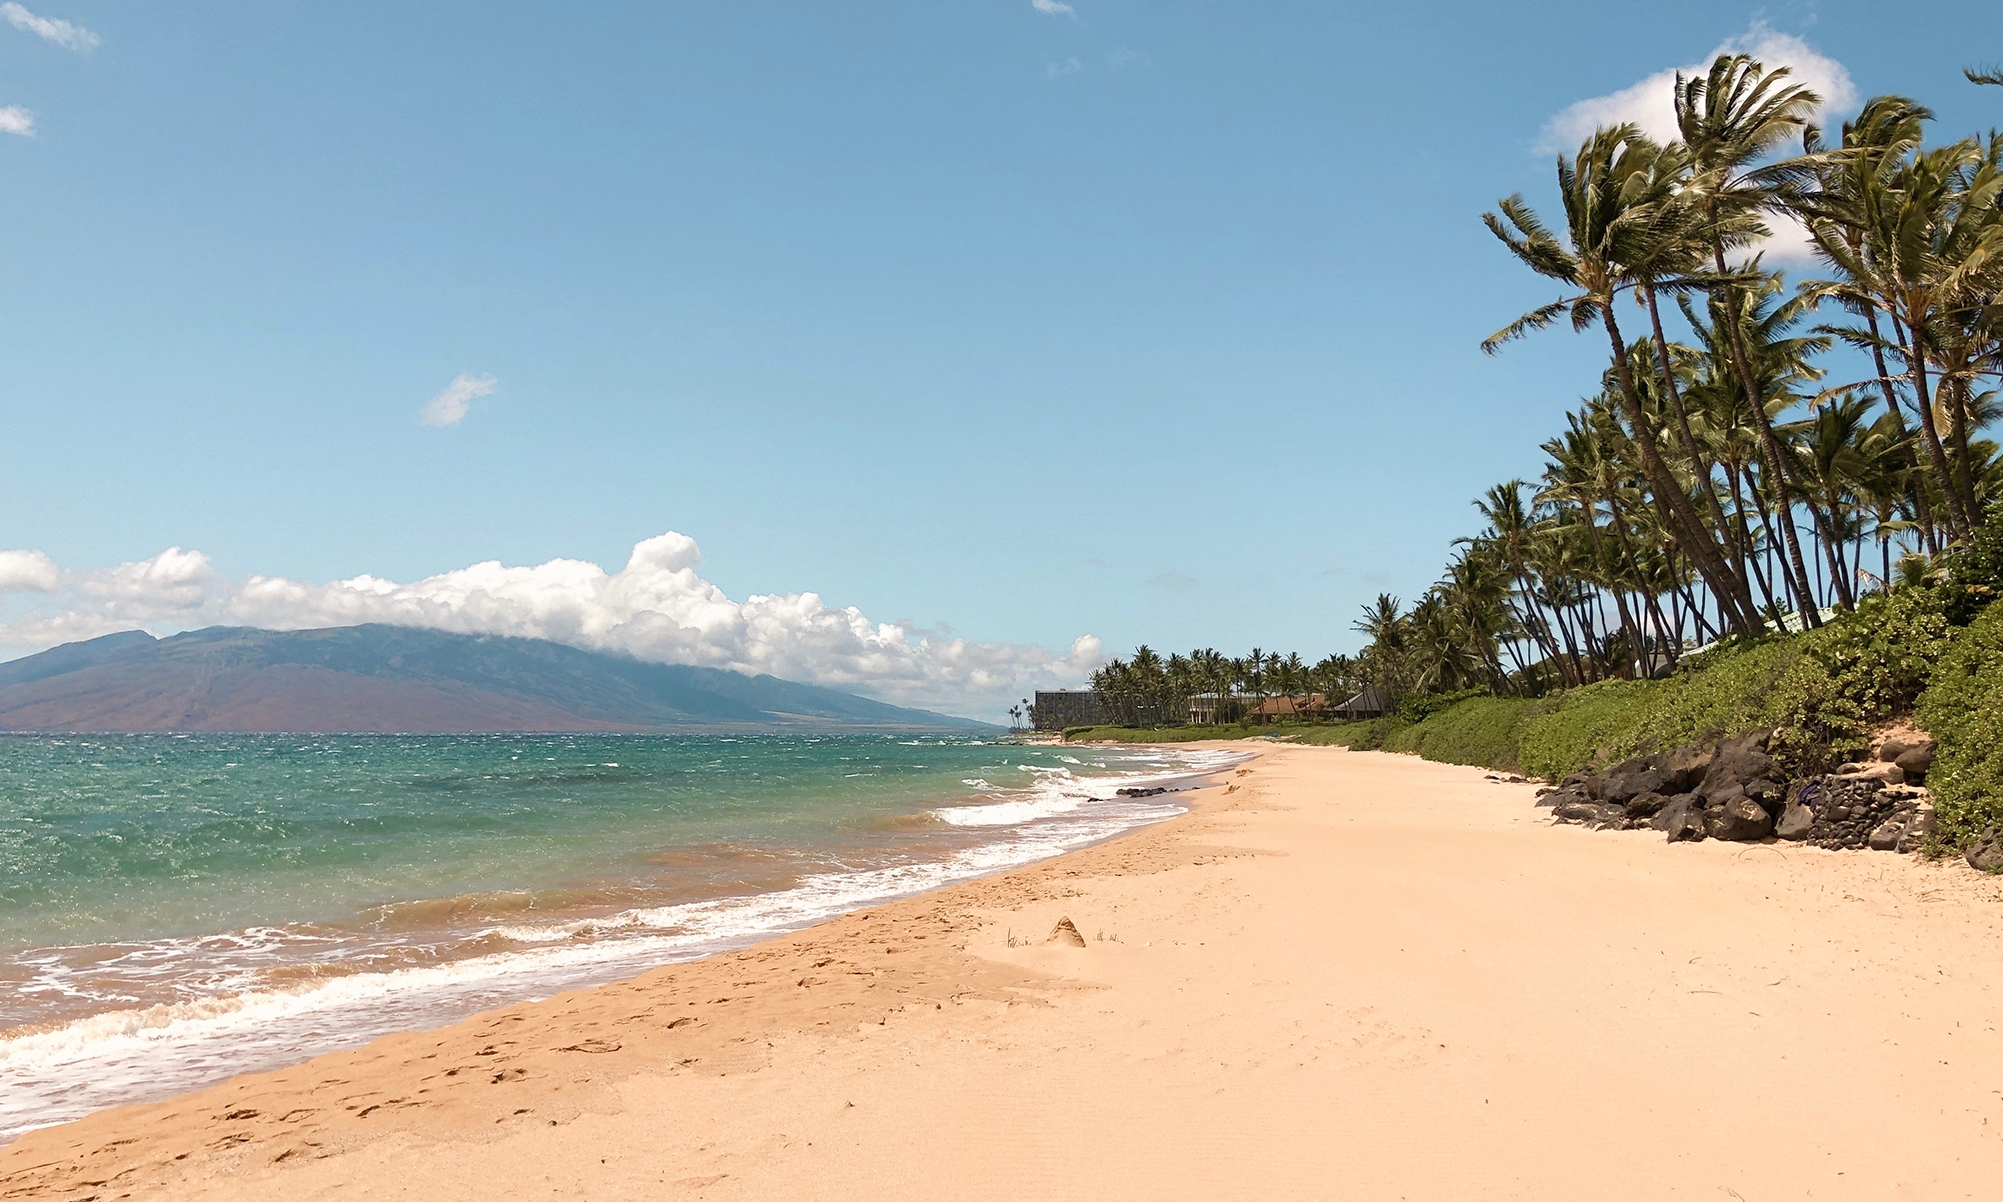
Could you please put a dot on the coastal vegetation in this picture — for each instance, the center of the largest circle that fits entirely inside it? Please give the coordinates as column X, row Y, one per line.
column 1775, row 508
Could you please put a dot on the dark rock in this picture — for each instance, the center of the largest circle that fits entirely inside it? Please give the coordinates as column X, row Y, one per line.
column 1885, row 836
column 1721, row 792
column 1985, row 854
column 1646, row 806
column 1614, row 778
column 1741, row 819
column 1922, row 827
column 1915, row 762
column 1771, row 795
column 1894, row 749
column 1682, row 820
column 1578, row 811
column 1742, row 759
column 1685, row 767
column 1794, row 823
column 1661, row 819
column 1625, row 787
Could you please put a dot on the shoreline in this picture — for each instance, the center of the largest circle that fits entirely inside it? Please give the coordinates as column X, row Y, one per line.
column 475, row 957
column 1344, row 974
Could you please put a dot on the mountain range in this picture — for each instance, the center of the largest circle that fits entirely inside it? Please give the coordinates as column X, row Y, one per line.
column 385, row 679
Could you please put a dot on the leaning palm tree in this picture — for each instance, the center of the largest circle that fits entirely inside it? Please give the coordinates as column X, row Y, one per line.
column 1731, row 119
column 1923, row 247
column 1612, row 196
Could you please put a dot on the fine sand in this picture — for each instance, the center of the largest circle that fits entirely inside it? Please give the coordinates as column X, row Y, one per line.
column 1352, row 976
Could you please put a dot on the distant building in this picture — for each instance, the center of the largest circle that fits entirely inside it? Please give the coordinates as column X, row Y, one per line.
column 1272, row 709
column 1370, row 703
column 1065, row 707
column 1203, row 708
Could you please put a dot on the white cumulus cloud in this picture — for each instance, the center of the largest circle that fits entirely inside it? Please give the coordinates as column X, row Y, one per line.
column 1650, row 104
column 1052, row 8
column 62, row 33
column 26, row 572
column 17, row 120
column 656, row 608
column 448, row 408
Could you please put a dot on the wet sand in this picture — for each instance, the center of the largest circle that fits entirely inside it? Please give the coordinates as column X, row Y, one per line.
column 1354, row 975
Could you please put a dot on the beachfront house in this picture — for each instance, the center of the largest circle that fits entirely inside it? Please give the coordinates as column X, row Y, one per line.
column 1300, row 708
column 1370, row 703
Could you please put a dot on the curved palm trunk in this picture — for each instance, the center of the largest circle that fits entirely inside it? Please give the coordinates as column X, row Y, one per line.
column 1732, row 472
column 1682, row 515
column 1769, row 443
column 1964, row 456
column 1957, row 517
column 1701, row 463
column 1832, row 545
column 1629, row 628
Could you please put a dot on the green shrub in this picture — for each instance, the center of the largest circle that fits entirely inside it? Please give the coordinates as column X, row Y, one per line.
column 1366, row 735
column 1963, row 709
column 1859, row 671
column 1584, row 721
column 1479, row 730
column 1975, row 572
column 1420, row 706
column 1729, row 691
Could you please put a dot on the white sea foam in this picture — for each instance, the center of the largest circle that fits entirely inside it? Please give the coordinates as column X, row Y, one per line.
column 136, row 1054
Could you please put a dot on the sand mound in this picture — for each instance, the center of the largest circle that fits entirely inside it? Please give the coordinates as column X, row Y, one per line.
column 1064, row 932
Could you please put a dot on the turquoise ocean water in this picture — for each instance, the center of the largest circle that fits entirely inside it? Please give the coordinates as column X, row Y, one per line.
column 178, row 909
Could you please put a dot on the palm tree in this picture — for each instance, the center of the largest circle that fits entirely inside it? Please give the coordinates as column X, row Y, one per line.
column 1731, row 119
column 1611, row 196
column 1920, row 243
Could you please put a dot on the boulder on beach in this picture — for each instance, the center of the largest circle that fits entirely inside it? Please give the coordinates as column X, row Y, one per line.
column 1682, row 819
column 1793, row 823
column 1742, row 820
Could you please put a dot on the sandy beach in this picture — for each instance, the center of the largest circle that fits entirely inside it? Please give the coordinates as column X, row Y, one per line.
column 1351, row 975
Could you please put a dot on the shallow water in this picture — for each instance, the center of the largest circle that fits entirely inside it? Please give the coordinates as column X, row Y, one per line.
column 178, row 909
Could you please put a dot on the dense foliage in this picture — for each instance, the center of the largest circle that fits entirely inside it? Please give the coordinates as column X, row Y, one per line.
column 1755, row 453
column 1149, row 691
column 1774, row 506
column 1963, row 709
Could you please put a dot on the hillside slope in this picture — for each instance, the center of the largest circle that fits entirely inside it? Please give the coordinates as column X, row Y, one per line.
column 379, row 678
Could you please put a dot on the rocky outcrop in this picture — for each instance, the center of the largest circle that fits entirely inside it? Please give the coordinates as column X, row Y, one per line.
column 1717, row 788
column 1911, row 754
column 1731, row 789
column 1859, row 811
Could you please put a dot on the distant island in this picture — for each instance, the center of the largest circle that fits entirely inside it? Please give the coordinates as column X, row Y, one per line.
column 397, row 679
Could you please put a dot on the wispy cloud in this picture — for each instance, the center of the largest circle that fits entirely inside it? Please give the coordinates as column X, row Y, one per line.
column 17, row 120
column 448, row 408
column 52, row 29
column 657, row 608
column 1650, row 104
column 1069, row 66
column 1053, row 8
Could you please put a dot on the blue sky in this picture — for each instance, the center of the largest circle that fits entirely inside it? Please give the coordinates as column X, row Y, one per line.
column 1140, row 321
